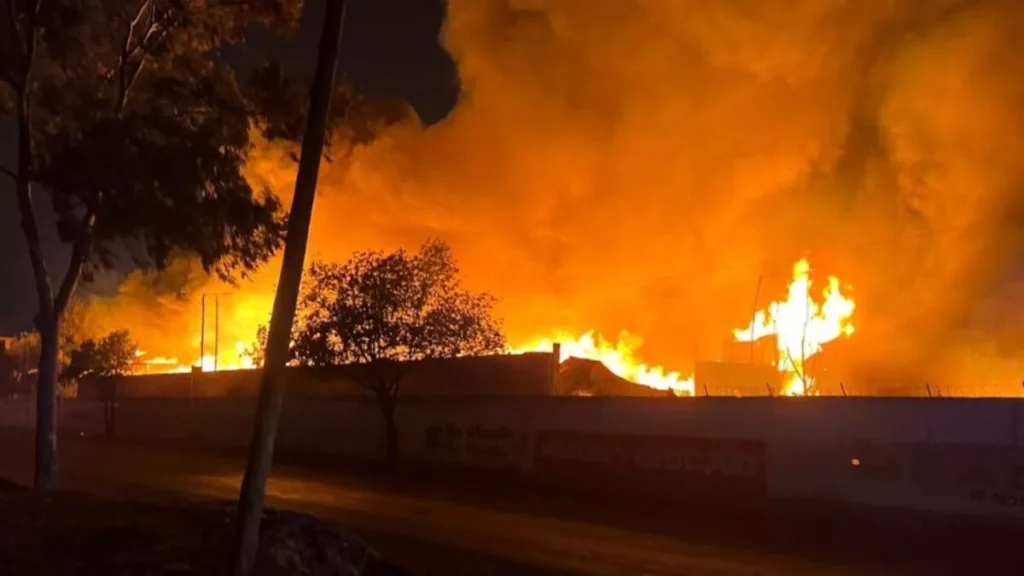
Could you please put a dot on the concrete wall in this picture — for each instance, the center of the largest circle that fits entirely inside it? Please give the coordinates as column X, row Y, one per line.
column 73, row 417
column 500, row 375
column 945, row 455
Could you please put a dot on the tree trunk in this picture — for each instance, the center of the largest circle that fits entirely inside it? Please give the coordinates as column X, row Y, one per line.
column 268, row 411
column 46, row 407
column 47, row 318
column 387, row 409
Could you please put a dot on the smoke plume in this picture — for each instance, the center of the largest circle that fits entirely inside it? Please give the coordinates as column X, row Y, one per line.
column 647, row 165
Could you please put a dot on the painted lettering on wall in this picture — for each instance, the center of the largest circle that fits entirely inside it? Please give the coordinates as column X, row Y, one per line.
column 474, row 444
column 951, row 474
column 673, row 464
column 443, row 440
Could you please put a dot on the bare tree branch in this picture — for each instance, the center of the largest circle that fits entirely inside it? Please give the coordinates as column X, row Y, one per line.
column 79, row 255
column 12, row 16
column 158, row 27
column 31, row 40
column 12, row 48
column 31, row 231
column 127, row 51
column 146, row 45
column 23, row 183
column 143, row 8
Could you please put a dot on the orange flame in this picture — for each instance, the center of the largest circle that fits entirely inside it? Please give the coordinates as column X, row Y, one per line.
column 237, row 358
column 801, row 327
column 619, row 357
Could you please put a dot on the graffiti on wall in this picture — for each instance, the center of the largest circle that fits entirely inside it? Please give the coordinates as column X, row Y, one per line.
column 958, row 475
column 681, row 466
column 473, row 444
column 82, row 417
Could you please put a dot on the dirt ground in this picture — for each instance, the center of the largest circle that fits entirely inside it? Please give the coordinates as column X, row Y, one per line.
column 439, row 524
column 76, row 533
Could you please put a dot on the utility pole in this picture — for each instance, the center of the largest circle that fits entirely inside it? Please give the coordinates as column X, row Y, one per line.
column 273, row 381
column 753, row 317
column 216, row 330
column 202, row 333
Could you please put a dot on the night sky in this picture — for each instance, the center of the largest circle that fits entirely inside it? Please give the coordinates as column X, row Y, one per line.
column 390, row 48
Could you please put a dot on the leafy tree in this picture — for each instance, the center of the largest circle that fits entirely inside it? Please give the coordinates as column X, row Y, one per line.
column 25, row 348
column 115, row 354
column 10, row 379
column 135, row 135
column 381, row 310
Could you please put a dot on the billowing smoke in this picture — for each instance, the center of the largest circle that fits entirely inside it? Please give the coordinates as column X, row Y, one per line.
column 647, row 164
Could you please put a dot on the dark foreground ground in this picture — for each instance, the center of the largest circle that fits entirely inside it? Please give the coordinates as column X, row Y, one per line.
column 74, row 533
column 446, row 526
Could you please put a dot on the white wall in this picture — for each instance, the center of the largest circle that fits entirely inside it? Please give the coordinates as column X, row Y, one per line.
column 948, row 455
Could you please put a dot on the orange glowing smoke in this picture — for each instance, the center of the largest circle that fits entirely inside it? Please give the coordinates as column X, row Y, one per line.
column 800, row 324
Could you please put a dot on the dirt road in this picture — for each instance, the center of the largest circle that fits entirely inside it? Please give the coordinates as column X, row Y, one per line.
column 432, row 535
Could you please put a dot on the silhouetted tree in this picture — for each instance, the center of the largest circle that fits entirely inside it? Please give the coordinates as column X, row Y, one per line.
column 137, row 136
column 115, row 354
column 25, row 348
column 380, row 310
column 255, row 350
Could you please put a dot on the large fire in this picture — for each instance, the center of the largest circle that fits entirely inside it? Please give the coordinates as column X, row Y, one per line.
column 800, row 324
column 731, row 133
column 619, row 357
column 237, row 358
